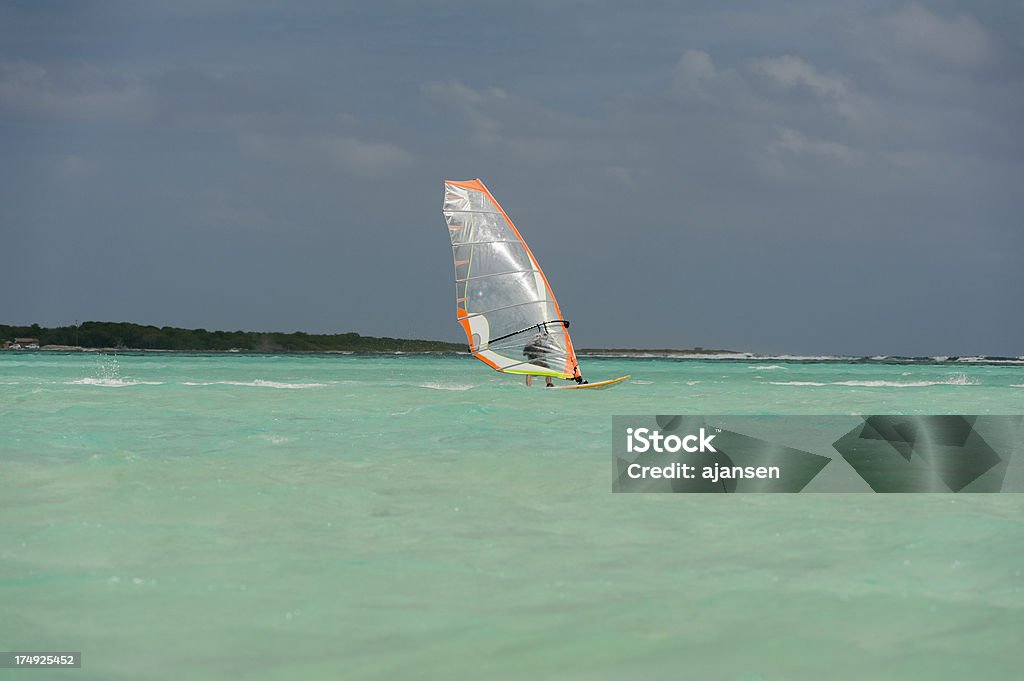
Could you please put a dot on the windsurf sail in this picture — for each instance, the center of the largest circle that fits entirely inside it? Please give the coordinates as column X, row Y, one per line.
column 502, row 298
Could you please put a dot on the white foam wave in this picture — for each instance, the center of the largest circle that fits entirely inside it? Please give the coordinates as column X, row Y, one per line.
column 798, row 383
column 750, row 356
column 1017, row 385
column 989, row 360
column 783, row 358
column 447, row 386
column 724, row 355
column 766, row 368
column 272, row 439
column 641, row 382
column 259, row 383
column 958, row 379
column 672, row 355
column 112, row 382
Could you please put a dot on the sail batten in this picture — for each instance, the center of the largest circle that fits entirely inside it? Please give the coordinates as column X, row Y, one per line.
column 503, row 300
column 493, row 274
column 529, row 302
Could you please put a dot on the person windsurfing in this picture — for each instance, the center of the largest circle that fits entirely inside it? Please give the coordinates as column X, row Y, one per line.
column 537, row 352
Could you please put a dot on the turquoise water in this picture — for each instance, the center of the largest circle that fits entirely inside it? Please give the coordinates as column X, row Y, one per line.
column 410, row 517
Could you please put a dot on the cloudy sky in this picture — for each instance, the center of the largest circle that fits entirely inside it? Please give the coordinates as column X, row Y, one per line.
column 795, row 177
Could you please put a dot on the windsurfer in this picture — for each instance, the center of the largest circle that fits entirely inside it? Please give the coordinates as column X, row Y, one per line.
column 535, row 351
column 538, row 350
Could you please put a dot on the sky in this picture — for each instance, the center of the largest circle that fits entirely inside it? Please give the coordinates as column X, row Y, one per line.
column 777, row 177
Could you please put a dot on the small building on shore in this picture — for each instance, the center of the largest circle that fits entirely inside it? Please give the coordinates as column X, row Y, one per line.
column 25, row 344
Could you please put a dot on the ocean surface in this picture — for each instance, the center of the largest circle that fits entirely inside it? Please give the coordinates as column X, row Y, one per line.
column 177, row 516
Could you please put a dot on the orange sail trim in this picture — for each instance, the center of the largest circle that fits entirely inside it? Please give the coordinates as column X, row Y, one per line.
column 570, row 368
column 464, row 323
column 475, row 185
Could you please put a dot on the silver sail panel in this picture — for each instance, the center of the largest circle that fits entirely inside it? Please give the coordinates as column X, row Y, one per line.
column 503, row 300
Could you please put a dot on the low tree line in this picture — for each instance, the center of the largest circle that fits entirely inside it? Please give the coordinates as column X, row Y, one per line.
column 127, row 335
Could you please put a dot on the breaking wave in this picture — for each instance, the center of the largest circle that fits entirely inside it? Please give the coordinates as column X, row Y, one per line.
column 111, row 382
column 446, row 386
column 958, row 379
column 259, row 383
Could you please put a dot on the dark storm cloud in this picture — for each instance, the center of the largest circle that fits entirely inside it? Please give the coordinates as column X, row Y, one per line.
column 797, row 177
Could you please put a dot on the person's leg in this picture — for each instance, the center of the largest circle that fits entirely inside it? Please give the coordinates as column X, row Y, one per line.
column 529, row 380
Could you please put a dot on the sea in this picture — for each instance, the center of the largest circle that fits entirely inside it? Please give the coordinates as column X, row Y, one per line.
column 396, row 517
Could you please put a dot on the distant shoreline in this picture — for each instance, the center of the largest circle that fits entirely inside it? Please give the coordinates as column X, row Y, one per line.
column 461, row 350
column 123, row 337
column 128, row 337
column 676, row 355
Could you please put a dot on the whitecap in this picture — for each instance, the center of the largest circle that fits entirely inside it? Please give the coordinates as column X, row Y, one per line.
column 701, row 355
column 271, row 438
column 447, row 386
column 111, row 382
column 809, row 358
column 260, row 383
column 956, row 379
column 796, row 383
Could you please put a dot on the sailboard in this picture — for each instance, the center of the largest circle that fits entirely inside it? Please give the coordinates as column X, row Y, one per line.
column 503, row 300
column 599, row 385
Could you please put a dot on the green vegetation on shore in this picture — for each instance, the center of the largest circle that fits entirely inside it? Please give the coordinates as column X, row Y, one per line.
column 136, row 336
column 130, row 336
